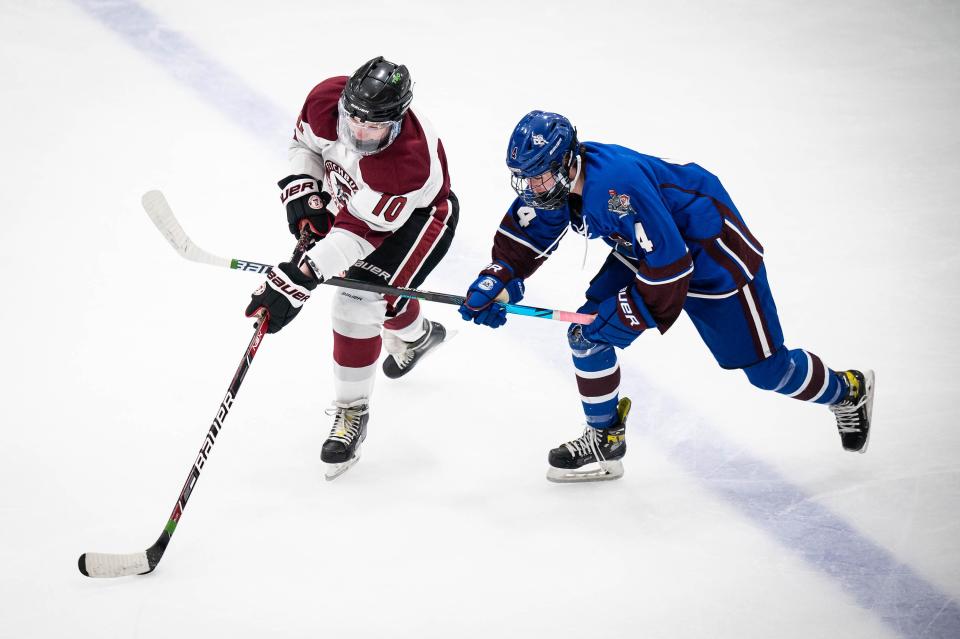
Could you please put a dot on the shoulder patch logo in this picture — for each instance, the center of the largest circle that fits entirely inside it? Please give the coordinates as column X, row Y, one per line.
column 619, row 204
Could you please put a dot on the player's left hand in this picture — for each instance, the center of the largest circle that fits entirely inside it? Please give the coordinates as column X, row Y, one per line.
column 612, row 325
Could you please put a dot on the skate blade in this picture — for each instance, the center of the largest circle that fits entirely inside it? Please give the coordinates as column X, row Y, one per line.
column 869, row 379
column 451, row 333
column 601, row 471
column 335, row 470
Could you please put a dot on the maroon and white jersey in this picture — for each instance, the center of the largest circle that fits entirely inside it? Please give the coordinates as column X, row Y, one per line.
column 372, row 195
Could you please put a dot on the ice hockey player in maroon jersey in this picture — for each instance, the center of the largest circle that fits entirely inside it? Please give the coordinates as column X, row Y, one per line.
column 368, row 179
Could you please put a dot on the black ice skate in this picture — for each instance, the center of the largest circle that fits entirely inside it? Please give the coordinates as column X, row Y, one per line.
column 595, row 455
column 399, row 363
column 853, row 413
column 342, row 448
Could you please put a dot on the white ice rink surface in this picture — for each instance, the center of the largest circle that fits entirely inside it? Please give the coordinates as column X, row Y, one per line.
column 833, row 125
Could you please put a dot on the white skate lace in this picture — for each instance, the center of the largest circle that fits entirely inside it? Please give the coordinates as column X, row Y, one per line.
column 404, row 358
column 586, row 443
column 346, row 422
column 846, row 412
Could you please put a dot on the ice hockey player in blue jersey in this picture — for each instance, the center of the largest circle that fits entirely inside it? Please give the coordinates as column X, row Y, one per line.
column 677, row 243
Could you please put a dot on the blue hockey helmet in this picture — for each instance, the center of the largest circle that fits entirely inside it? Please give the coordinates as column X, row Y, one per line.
column 541, row 151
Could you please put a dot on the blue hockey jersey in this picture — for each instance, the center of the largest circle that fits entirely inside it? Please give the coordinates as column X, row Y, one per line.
column 674, row 225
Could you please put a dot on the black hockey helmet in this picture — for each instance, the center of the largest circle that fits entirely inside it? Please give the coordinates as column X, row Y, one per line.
column 379, row 91
column 372, row 106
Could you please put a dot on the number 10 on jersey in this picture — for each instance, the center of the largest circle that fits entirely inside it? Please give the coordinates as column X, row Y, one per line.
column 390, row 206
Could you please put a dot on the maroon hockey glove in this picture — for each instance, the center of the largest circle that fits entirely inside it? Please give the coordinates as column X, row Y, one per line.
column 282, row 295
column 306, row 205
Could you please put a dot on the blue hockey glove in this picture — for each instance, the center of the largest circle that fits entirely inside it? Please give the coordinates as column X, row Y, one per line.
column 620, row 320
column 479, row 307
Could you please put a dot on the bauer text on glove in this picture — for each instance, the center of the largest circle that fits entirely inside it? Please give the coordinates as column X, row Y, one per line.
column 306, row 205
column 620, row 319
column 281, row 295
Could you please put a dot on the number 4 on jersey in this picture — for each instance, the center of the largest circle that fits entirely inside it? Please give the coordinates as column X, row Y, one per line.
column 644, row 242
column 525, row 215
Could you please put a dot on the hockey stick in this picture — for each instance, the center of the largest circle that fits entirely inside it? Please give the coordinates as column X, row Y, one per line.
column 96, row 564
column 159, row 211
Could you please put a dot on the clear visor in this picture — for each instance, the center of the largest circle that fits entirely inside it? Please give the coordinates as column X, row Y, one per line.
column 366, row 138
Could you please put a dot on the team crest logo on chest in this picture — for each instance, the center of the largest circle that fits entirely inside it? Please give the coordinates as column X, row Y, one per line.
column 619, row 204
column 342, row 184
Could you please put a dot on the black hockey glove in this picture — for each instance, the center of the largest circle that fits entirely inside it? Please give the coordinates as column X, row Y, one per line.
column 306, row 205
column 282, row 295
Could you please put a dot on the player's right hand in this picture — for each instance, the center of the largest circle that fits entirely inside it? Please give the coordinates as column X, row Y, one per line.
column 306, row 206
column 610, row 326
column 281, row 295
column 495, row 281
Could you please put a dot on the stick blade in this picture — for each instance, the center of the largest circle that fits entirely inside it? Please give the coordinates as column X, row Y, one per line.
column 160, row 213
column 96, row 564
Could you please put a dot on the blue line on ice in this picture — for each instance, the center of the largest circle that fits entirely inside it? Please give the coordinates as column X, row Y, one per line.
column 188, row 64
column 876, row 579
